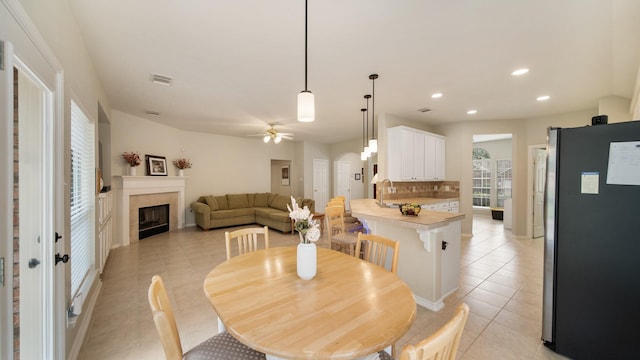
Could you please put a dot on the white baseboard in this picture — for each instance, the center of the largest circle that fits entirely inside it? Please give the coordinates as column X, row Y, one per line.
column 437, row 306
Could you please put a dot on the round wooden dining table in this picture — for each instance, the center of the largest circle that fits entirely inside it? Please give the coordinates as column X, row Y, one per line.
column 351, row 308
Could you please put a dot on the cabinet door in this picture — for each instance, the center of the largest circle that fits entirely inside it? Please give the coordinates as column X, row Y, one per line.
column 439, row 158
column 418, row 156
column 406, row 168
column 430, row 158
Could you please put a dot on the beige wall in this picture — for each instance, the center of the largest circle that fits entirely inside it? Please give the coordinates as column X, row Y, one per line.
column 221, row 164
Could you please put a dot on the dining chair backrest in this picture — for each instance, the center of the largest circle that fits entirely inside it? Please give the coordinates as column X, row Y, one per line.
column 247, row 239
column 377, row 250
column 334, row 216
column 164, row 320
column 336, row 203
column 443, row 344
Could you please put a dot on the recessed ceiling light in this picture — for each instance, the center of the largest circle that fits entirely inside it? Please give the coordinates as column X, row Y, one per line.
column 472, row 112
column 543, row 98
column 436, row 95
column 520, row 72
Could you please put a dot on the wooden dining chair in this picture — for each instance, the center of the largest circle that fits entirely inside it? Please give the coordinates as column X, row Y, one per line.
column 247, row 239
column 377, row 249
column 334, row 217
column 443, row 344
column 220, row 346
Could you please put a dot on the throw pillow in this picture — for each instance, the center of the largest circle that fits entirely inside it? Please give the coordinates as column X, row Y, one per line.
column 280, row 202
column 222, row 202
column 261, row 200
column 237, row 201
column 211, row 201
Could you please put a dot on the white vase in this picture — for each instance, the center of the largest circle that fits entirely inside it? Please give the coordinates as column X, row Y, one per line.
column 306, row 261
column 180, row 172
column 132, row 171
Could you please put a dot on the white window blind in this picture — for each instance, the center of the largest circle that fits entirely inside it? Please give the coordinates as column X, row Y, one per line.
column 82, row 197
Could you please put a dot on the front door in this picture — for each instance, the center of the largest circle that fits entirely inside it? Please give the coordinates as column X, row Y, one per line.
column 30, row 95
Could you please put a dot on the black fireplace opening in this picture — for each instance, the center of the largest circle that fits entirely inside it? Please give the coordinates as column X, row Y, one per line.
column 153, row 220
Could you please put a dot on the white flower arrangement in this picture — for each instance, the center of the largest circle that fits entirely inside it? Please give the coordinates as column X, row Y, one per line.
column 307, row 227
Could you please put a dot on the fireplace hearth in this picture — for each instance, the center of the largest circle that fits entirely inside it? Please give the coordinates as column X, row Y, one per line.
column 153, row 220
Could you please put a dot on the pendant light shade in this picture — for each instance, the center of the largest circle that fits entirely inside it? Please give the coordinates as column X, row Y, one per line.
column 306, row 106
column 373, row 145
column 363, row 154
column 373, row 142
column 306, row 102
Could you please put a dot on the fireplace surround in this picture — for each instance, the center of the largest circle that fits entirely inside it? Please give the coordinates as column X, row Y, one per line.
column 143, row 191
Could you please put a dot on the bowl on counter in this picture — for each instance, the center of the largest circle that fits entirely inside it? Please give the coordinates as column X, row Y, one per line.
column 409, row 209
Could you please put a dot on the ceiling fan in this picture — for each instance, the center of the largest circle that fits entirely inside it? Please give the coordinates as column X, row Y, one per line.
column 272, row 134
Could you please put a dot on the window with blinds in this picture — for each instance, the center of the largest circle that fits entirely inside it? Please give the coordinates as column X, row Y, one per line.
column 82, row 197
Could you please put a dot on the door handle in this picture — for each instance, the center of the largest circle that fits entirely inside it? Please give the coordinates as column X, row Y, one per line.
column 33, row 262
column 64, row 258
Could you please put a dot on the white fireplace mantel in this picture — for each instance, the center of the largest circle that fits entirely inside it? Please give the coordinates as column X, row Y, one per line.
column 141, row 185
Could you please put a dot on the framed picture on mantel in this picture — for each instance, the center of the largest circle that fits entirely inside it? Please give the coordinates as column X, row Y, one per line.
column 156, row 165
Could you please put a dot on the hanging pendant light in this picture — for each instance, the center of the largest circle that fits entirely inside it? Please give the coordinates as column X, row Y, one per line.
column 367, row 149
column 373, row 142
column 306, row 102
column 363, row 154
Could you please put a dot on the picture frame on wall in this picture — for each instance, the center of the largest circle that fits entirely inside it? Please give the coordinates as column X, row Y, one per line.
column 284, row 177
column 357, row 177
column 156, row 165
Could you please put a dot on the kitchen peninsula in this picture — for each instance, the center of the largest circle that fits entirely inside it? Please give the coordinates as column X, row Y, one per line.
column 429, row 259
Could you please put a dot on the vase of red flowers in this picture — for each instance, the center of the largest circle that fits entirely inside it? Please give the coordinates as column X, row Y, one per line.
column 182, row 164
column 133, row 159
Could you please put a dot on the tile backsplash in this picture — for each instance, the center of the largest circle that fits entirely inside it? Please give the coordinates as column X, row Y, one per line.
column 428, row 189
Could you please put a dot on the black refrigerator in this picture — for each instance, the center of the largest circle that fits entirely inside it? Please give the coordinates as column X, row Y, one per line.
column 591, row 301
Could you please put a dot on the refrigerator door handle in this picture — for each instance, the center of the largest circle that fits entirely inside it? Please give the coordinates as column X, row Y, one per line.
column 549, row 236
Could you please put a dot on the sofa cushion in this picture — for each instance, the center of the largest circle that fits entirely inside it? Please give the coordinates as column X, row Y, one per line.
column 223, row 214
column 244, row 211
column 211, row 201
column 271, row 198
column 237, row 201
column 222, row 202
column 266, row 211
column 280, row 202
column 252, row 199
column 261, row 200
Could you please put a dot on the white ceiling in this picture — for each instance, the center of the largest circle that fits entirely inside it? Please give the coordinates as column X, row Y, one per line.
column 239, row 65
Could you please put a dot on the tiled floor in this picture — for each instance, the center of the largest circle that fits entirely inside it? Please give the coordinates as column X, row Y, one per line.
column 501, row 280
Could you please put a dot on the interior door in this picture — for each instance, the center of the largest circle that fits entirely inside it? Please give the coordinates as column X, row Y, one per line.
column 343, row 181
column 540, row 169
column 320, row 183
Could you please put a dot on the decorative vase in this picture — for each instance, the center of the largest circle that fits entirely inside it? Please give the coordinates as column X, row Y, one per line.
column 180, row 172
column 306, row 261
column 132, row 171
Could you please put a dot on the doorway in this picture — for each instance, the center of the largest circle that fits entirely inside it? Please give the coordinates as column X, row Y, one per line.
column 537, row 181
column 32, row 191
column 320, row 183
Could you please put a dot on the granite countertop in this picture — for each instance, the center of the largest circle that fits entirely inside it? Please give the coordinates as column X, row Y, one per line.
column 426, row 219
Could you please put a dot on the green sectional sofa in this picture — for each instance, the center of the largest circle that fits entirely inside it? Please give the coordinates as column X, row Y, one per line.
column 216, row 211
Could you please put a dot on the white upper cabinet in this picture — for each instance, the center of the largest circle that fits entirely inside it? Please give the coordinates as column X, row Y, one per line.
column 414, row 155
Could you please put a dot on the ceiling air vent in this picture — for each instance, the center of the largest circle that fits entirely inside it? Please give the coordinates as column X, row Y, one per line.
column 152, row 113
column 424, row 110
column 161, row 79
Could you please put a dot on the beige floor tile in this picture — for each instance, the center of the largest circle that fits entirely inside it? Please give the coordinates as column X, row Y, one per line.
column 501, row 281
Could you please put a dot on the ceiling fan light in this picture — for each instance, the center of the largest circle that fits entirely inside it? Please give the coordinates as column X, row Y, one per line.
column 306, row 106
column 373, row 145
column 277, row 139
column 266, row 138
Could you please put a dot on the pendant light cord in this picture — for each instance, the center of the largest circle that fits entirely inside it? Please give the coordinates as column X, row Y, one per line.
column 305, row 43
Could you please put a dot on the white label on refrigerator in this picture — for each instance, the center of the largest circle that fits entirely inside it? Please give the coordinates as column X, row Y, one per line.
column 624, row 163
column 590, row 182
